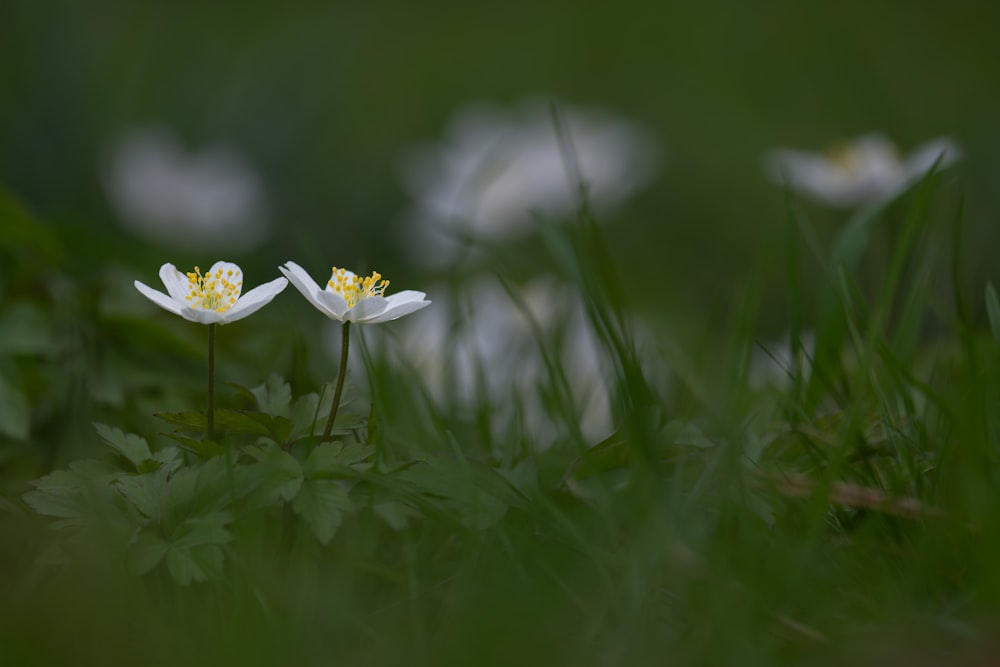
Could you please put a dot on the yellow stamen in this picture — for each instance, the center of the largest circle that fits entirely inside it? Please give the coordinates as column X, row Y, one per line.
column 354, row 288
column 851, row 158
column 214, row 291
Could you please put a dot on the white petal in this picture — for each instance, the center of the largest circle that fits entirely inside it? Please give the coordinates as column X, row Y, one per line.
column 814, row 175
column 794, row 167
column 873, row 144
column 399, row 308
column 348, row 277
column 366, row 309
column 305, row 285
column 254, row 300
column 159, row 298
column 406, row 295
column 924, row 156
column 175, row 282
column 202, row 316
column 332, row 304
column 225, row 268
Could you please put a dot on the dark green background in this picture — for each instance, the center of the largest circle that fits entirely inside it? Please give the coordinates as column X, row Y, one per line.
column 324, row 98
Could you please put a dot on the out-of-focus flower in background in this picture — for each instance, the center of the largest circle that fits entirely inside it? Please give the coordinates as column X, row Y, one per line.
column 774, row 362
column 866, row 170
column 495, row 168
column 211, row 198
column 476, row 347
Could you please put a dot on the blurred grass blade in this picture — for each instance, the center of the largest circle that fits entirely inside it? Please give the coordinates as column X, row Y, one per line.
column 993, row 310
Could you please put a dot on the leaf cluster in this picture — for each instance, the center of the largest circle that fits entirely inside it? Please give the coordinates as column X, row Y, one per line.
column 182, row 506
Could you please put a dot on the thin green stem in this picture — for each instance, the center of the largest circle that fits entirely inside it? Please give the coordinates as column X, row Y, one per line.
column 344, row 346
column 211, row 380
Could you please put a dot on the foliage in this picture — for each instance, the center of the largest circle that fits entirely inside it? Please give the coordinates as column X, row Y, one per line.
column 832, row 512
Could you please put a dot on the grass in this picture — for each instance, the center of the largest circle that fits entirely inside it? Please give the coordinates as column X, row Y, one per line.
column 844, row 512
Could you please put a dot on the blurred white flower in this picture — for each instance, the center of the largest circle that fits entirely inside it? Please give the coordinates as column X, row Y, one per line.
column 477, row 347
column 866, row 170
column 773, row 363
column 496, row 167
column 167, row 195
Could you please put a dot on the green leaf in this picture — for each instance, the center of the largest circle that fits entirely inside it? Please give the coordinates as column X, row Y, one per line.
column 281, row 428
column 202, row 530
column 145, row 553
column 479, row 493
column 15, row 412
column 57, row 494
column 238, row 422
column 99, row 472
column 131, row 446
column 221, row 483
column 281, row 474
column 993, row 310
column 243, row 392
column 69, row 494
column 348, row 422
column 322, row 504
column 241, row 422
column 148, row 466
column 189, row 420
column 395, row 514
column 275, row 397
column 169, row 456
column 146, row 492
column 305, row 414
column 179, row 493
column 194, row 565
column 206, row 449
column 328, row 456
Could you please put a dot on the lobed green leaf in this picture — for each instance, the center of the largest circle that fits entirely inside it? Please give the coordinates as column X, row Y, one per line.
column 322, row 503
column 274, row 397
column 132, row 447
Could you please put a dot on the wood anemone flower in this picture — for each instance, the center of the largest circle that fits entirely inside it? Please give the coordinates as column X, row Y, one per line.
column 212, row 298
column 865, row 170
column 351, row 298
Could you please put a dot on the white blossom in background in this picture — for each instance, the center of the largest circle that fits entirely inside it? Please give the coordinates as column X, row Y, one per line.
column 209, row 198
column 867, row 170
column 480, row 333
column 773, row 361
column 495, row 168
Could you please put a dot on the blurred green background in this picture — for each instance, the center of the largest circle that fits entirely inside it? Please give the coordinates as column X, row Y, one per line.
column 325, row 101
column 324, row 98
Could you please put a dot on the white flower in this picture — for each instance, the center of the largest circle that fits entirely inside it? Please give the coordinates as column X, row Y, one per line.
column 866, row 170
column 213, row 298
column 496, row 168
column 350, row 298
column 170, row 195
column 774, row 362
column 477, row 348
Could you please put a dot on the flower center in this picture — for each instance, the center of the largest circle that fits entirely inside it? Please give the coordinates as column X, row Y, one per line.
column 854, row 159
column 354, row 288
column 217, row 291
